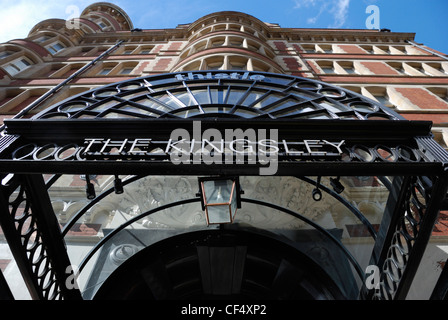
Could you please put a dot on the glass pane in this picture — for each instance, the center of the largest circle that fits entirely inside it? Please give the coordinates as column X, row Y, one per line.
column 58, row 46
column 105, row 106
column 103, row 93
column 235, row 95
column 116, row 115
column 333, row 106
column 271, row 98
column 217, row 191
column 186, row 98
column 51, row 49
column 218, row 214
column 363, row 107
column 317, row 116
column 328, row 70
column 202, row 96
column 218, row 95
column 252, row 97
column 246, row 113
column 22, row 64
column 283, row 105
column 298, row 110
column 126, row 71
column 11, row 69
column 350, row 70
column 152, row 104
column 105, row 71
column 137, row 110
column 167, row 99
column 73, row 107
column 187, row 113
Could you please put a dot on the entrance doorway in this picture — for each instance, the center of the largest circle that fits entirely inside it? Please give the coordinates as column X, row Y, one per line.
column 221, row 264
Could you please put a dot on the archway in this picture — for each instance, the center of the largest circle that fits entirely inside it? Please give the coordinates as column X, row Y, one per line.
column 220, row 264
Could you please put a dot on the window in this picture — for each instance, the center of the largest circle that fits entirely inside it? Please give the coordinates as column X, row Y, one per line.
column 326, row 48
column 421, row 69
column 253, row 46
column 215, row 63
column 235, row 42
column 442, row 93
column 126, row 70
column 397, row 50
column 384, row 49
column 384, row 99
column 17, row 66
column 238, row 63
column 42, row 39
column 348, row 67
column 437, row 69
column 55, row 47
column 5, row 54
column 101, row 24
column 399, row 67
column 402, row 70
column 309, row 48
column 218, row 43
column 327, row 67
column 369, row 49
column 238, row 66
column 200, row 47
column 104, row 71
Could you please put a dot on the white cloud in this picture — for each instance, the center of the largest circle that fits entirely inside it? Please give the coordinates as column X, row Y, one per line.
column 336, row 9
column 304, row 3
column 340, row 13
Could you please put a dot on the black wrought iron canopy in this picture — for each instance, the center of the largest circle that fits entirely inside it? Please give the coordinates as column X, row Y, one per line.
column 222, row 123
column 127, row 127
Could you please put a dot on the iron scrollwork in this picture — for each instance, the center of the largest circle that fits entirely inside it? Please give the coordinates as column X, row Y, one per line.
column 415, row 221
column 29, row 239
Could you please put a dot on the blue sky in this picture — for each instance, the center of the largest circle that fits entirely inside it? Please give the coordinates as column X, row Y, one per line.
column 426, row 18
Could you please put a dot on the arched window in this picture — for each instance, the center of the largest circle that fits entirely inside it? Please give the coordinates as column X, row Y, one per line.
column 55, row 47
column 18, row 65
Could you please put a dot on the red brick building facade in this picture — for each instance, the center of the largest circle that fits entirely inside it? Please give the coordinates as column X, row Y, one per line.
column 383, row 65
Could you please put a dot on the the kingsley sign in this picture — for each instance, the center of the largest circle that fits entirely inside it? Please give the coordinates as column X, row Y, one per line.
column 212, row 147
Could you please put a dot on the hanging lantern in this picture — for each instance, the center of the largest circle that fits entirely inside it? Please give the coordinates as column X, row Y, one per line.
column 220, row 199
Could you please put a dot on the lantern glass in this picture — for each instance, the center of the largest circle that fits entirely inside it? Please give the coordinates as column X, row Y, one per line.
column 219, row 200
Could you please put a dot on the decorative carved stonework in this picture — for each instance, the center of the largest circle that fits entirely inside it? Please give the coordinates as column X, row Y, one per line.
column 288, row 192
column 152, row 192
column 291, row 193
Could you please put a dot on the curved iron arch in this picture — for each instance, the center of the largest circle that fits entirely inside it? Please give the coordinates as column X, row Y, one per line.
column 220, row 94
